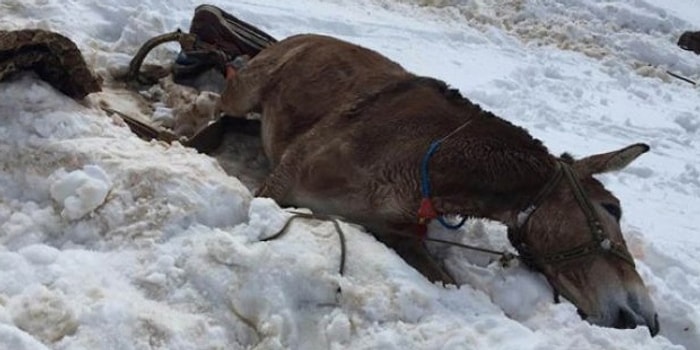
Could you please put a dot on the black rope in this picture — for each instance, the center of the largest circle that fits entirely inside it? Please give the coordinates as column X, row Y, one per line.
column 506, row 256
column 681, row 78
column 336, row 224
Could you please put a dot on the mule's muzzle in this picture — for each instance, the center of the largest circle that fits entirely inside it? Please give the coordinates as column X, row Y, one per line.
column 626, row 318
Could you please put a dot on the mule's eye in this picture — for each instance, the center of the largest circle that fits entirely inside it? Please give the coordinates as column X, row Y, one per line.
column 614, row 210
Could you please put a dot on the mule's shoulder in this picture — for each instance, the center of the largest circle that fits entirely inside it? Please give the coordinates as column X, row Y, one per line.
column 325, row 51
column 311, row 38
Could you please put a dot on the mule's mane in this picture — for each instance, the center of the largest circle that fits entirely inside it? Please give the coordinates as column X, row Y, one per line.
column 452, row 95
column 493, row 154
column 508, row 157
column 455, row 96
column 567, row 158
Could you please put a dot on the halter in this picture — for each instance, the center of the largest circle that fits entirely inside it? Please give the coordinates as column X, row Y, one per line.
column 600, row 242
column 426, row 211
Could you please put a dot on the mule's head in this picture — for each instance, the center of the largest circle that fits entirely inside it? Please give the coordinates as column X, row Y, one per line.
column 571, row 232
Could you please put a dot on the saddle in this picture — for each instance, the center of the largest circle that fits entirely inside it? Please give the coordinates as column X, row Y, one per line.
column 52, row 56
column 215, row 40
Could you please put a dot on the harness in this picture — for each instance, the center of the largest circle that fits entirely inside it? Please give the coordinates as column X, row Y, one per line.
column 600, row 243
column 426, row 211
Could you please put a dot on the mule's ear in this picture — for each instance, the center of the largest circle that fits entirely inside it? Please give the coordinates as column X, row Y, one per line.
column 611, row 161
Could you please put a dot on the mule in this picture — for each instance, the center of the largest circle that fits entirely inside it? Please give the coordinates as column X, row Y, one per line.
column 348, row 132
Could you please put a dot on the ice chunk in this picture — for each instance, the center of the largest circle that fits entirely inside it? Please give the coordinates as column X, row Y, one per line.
column 80, row 191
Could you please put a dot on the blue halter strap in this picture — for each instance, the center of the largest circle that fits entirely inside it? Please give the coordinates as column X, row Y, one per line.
column 426, row 190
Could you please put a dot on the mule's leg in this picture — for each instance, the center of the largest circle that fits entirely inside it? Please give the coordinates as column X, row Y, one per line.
column 282, row 179
column 277, row 185
column 416, row 254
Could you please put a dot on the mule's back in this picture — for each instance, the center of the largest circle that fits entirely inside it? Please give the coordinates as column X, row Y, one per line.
column 303, row 67
column 305, row 78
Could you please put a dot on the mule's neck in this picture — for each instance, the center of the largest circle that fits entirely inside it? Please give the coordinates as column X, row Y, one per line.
column 503, row 208
column 484, row 181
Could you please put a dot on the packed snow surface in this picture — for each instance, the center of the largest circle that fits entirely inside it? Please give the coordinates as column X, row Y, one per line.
column 110, row 242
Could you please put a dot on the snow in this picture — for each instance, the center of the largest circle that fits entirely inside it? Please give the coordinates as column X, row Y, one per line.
column 80, row 191
column 109, row 242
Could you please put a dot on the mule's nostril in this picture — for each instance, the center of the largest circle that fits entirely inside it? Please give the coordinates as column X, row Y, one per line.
column 626, row 319
column 655, row 328
column 582, row 314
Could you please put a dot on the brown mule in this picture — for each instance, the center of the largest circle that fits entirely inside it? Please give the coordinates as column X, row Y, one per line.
column 346, row 130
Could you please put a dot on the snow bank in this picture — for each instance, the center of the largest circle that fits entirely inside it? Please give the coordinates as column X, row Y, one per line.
column 629, row 32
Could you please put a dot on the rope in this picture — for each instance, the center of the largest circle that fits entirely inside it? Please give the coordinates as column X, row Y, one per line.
column 444, row 223
column 456, row 130
column 681, row 78
column 336, row 224
column 425, row 187
column 471, row 247
column 506, row 256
